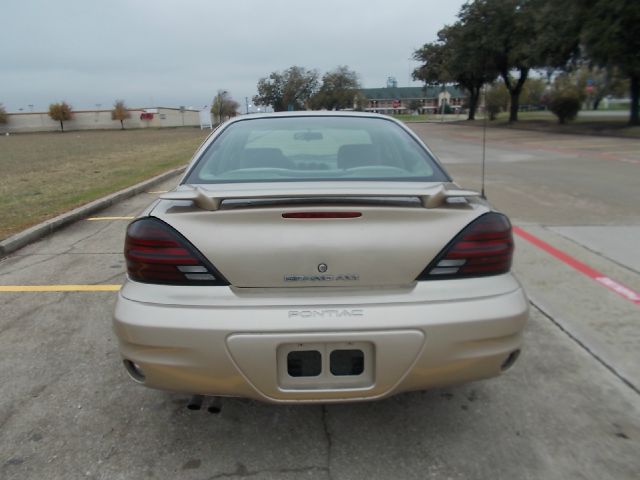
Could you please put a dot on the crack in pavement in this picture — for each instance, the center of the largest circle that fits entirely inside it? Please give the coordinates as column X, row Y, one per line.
column 27, row 255
column 34, row 394
column 586, row 348
column 600, row 254
column 11, row 323
column 327, row 434
column 242, row 472
column 39, row 262
column 52, row 255
column 100, row 230
column 113, row 277
column 10, row 412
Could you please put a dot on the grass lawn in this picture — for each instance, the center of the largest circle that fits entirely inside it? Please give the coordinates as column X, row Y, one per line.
column 586, row 124
column 45, row 174
column 431, row 117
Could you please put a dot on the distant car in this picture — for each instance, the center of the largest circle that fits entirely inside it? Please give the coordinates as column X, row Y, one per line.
column 317, row 257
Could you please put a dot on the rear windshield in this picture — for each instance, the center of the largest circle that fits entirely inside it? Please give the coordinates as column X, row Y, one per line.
column 314, row 149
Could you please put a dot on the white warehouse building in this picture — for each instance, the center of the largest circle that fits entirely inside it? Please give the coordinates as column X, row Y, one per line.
column 101, row 119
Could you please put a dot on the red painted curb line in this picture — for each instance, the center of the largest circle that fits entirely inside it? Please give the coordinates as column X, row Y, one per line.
column 592, row 273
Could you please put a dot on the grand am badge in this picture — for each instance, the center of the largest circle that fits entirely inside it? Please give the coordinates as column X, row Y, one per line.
column 347, row 277
column 327, row 313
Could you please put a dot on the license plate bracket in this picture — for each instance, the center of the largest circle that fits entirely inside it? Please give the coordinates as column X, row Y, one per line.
column 346, row 362
column 331, row 365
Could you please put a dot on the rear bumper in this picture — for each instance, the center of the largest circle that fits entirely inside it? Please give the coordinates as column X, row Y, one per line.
column 237, row 348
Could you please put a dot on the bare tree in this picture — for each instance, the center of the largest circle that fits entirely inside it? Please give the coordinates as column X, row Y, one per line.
column 4, row 118
column 61, row 112
column 120, row 112
column 223, row 106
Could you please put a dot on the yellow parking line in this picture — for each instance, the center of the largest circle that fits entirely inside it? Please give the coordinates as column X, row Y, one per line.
column 60, row 288
column 93, row 219
column 158, row 191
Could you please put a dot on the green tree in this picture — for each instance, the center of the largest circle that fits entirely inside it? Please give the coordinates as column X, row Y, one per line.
column 120, row 112
column 458, row 56
column 469, row 63
column 600, row 82
column 61, row 112
column 594, row 83
column 289, row 89
column 520, row 35
column 338, row 90
column 223, row 106
column 533, row 91
column 611, row 39
column 4, row 118
column 434, row 57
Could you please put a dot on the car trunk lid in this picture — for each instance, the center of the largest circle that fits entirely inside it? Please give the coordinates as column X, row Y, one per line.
column 319, row 236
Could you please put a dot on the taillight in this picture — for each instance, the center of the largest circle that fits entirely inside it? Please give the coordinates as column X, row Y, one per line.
column 484, row 247
column 156, row 253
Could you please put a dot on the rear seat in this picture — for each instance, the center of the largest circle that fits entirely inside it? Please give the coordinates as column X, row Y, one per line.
column 358, row 155
column 265, row 158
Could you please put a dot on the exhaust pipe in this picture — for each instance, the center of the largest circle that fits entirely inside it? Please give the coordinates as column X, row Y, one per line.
column 134, row 370
column 511, row 359
column 196, row 402
column 215, row 406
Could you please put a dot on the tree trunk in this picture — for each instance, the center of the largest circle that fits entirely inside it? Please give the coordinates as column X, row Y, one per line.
column 514, row 107
column 121, row 125
column 514, row 91
column 61, row 126
column 474, row 94
column 635, row 94
column 596, row 103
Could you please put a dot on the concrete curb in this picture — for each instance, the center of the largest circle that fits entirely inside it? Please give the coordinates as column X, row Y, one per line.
column 19, row 240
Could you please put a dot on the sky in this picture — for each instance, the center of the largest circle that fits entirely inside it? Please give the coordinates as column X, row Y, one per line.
column 172, row 53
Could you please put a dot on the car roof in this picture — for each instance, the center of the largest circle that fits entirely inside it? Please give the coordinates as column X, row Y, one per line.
column 311, row 113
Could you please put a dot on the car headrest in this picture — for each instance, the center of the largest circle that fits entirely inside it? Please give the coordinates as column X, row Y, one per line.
column 358, row 155
column 265, row 158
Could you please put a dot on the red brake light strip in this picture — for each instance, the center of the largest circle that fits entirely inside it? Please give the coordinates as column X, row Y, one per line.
column 320, row 215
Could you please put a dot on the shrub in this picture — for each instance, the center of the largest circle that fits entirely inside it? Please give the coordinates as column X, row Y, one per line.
column 447, row 109
column 493, row 108
column 565, row 105
column 497, row 100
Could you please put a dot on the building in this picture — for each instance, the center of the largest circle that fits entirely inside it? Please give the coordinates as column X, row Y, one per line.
column 101, row 119
column 392, row 100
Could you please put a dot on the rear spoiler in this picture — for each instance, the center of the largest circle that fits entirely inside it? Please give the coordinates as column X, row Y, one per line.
column 211, row 200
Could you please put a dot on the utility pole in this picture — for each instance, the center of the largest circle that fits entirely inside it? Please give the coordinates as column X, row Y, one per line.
column 246, row 102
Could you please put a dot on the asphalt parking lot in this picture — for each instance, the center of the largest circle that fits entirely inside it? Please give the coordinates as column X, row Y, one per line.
column 570, row 408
